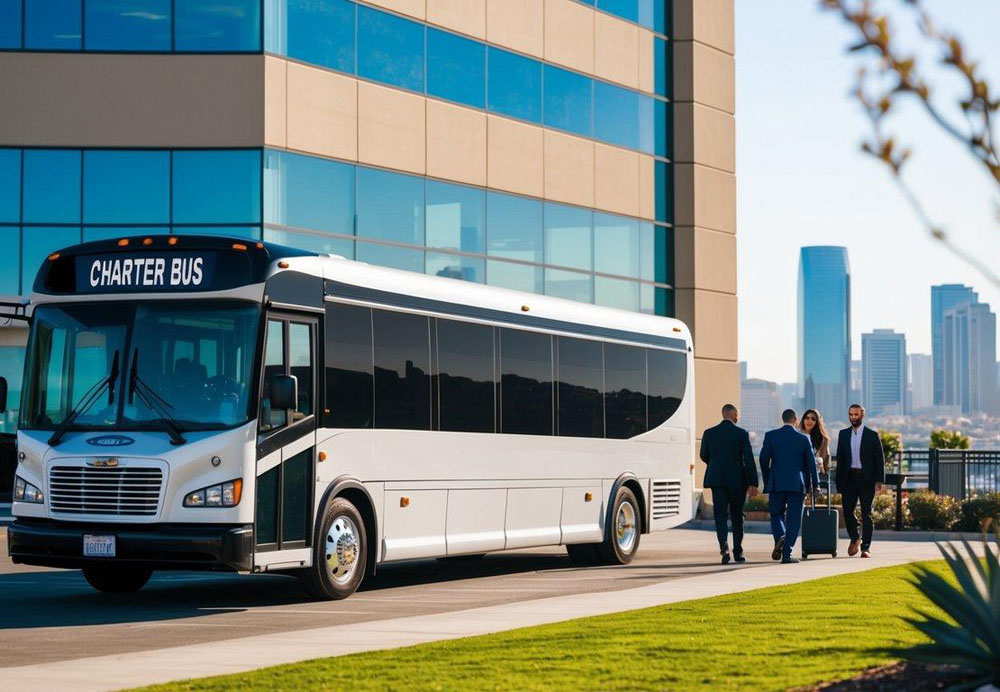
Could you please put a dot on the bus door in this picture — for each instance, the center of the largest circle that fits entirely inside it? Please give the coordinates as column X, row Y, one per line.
column 286, row 442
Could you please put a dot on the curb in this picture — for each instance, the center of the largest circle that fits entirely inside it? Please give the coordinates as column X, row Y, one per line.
column 882, row 534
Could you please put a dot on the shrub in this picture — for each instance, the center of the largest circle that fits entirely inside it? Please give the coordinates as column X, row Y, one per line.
column 883, row 511
column 932, row 512
column 948, row 439
column 977, row 509
column 892, row 445
column 756, row 504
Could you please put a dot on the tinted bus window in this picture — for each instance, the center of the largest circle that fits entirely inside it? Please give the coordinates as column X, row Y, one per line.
column 465, row 366
column 350, row 380
column 580, row 402
column 526, row 382
column 667, row 380
column 625, row 382
column 402, row 371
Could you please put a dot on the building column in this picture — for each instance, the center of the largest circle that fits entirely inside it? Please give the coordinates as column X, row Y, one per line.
column 705, row 201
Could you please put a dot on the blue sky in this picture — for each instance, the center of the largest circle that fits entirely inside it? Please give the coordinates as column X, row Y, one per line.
column 802, row 179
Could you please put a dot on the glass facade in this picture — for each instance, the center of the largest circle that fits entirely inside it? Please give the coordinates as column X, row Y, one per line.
column 944, row 297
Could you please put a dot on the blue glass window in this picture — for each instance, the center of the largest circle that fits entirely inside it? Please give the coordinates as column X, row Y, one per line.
column 126, row 187
column 10, row 241
column 313, row 242
column 616, row 115
column 654, row 253
column 577, row 286
column 616, row 293
column 10, row 185
column 456, row 266
column 390, row 208
column 648, row 11
column 51, row 186
column 661, row 21
column 309, row 193
column 134, row 25
column 514, row 231
column 626, row 9
column 390, row 49
column 217, row 26
column 217, row 186
column 456, row 220
column 569, row 236
column 647, row 123
column 108, row 232
column 38, row 242
column 662, row 129
column 661, row 67
column 515, row 85
column 567, row 100
column 616, row 245
column 246, row 232
column 456, row 68
column 10, row 24
column 664, row 192
column 322, row 32
column 52, row 24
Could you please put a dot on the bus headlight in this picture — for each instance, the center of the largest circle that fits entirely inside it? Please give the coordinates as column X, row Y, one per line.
column 222, row 495
column 26, row 492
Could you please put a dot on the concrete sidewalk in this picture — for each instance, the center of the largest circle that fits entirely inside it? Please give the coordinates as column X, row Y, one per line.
column 238, row 655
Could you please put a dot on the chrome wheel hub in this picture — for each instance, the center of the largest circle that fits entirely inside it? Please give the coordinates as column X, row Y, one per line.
column 625, row 526
column 342, row 549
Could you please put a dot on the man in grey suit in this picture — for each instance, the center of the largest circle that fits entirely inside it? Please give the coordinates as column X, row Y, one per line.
column 731, row 474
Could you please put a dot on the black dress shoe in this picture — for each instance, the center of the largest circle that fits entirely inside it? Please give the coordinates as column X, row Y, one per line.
column 778, row 547
column 789, row 560
column 738, row 556
column 725, row 557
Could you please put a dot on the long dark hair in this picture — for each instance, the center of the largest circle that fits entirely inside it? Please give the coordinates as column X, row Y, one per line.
column 818, row 435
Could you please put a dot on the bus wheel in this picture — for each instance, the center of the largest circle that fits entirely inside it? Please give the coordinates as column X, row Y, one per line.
column 340, row 555
column 116, row 579
column 622, row 540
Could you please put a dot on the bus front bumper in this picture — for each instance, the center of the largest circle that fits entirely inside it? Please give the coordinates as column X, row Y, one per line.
column 221, row 547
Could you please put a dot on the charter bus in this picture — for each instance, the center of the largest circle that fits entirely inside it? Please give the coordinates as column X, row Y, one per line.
column 207, row 403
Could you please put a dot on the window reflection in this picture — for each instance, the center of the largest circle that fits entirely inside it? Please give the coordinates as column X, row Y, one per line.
column 139, row 25
column 515, row 85
column 456, row 217
column 581, row 388
column 10, row 23
column 390, row 208
column 526, row 382
column 126, row 186
column 51, row 186
column 10, row 241
column 567, row 100
column 390, row 49
column 465, row 364
column 514, row 230
column 52, row 24
column 217, row 25
column 456, row 68
column 322, row 32
column 217, row 186
column 616, row 115
column 308, row 192
column 625, row 383
column 402, row 371
column 10, row 185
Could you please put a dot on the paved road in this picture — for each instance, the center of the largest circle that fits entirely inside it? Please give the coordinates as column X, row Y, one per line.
column 51, row 615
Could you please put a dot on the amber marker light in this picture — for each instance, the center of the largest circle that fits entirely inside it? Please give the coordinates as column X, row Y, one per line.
column 123, row 242
column 260, row 246
column 404, row 502
column 172, row 240
column 525, row 308
column 282, row 265
column 677, row 329
column 240, row 246
column 53, row 257
column 147, row 241
column 322, row 456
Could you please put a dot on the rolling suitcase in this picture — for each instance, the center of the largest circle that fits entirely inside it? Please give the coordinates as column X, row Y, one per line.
column 820, row 526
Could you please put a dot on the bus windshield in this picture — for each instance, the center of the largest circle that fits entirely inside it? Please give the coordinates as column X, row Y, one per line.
column 187, row 365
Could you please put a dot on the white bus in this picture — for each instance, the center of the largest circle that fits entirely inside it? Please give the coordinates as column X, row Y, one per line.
column 220, row 404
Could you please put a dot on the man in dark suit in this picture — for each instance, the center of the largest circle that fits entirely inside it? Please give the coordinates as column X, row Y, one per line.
column 789, row 469
column 860, row 475
column 731, row 474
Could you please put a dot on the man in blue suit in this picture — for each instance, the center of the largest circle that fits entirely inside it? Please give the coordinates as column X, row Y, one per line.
column 789, row 469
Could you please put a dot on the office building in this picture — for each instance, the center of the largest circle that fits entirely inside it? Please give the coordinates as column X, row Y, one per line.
column 824, row 330
column 921, row 381
column 579, row 149
column 969, row 349
column 883, row 367
column 944, row 297
column 760, row 408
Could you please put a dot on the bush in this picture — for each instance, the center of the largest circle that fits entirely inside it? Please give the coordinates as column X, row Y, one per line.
column 756, row 504
column 932, row 512
column 977, row 509
column 948, row 439
column 883, row 511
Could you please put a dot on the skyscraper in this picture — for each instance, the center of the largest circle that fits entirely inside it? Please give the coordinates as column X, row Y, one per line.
column 760, row 408
column 824, row 337
column 883, row 367
column 969, row 358
column 944, row 297
column 921, row 377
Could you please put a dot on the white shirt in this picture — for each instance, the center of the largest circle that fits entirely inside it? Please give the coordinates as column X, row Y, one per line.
column 856, row 434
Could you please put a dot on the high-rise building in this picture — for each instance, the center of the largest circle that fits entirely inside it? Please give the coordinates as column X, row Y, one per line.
column 943, row 297
column 921, row 379
column 551, row 146
column 824, row 334
column 854, row 394
column 743, row 370
column 969, row 358
column 883, row 365
column 760, row 407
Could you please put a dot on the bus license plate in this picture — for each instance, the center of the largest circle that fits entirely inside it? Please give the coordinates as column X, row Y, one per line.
column 98, row 546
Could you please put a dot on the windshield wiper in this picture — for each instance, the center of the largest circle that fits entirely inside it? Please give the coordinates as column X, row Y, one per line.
column 88, row 399
column 153, row 401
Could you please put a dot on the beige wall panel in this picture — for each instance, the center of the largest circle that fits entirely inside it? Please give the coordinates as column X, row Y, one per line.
column 704, row 135
column 392, row 128
column 322, row 112
column 704, row 259
column 275, row 102
column 712, row 319
column 645, row 46
column 466, row 16
column 705, row 21
column 413, row 8
column 516, row 24
column 514, row 157
column 569, row 169
column 456, row 143
column 90, row 100
column 13, row 336
column 616, row 50
column 716, row 383
column 569, row 34
column 704, row 197
column 705, row 75
column 616, row 180
column 647, row 187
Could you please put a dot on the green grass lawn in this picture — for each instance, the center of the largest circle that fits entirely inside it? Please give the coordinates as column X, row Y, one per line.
column 769, row 639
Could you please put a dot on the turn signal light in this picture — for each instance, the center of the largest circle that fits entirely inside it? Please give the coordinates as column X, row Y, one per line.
column 322, row 456
column 260, row 246
column 53, row 257
column 283, row 265
column 147, row 241
column 404, row 502
column 172, row 240
column 222, row 495
column 240, row 246
column 587, row 497
column 123, row 242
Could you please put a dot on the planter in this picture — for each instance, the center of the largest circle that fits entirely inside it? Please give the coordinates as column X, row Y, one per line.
column 757, row 516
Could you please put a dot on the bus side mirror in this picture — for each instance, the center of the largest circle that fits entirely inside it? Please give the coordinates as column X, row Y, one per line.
column 284, row 392
column 3, row 394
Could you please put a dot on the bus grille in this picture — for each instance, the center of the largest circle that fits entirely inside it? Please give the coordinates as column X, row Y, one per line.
column 666, row 499
column 128, row 491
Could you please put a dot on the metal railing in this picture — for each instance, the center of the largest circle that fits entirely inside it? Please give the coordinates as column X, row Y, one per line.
column 961, row 473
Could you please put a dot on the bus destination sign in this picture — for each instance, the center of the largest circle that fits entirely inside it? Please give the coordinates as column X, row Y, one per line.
column 138, row 272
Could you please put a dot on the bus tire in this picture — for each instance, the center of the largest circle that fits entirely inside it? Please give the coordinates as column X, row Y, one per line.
column 116, row 579
column 340, row 553
column 583, row 553
column 621, row 541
